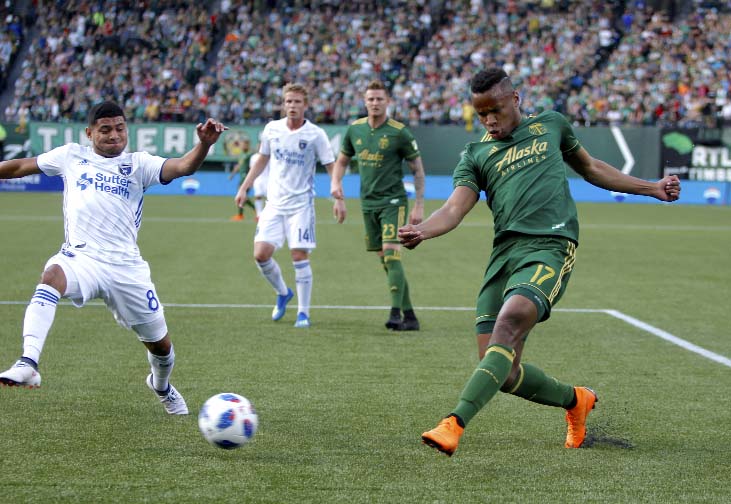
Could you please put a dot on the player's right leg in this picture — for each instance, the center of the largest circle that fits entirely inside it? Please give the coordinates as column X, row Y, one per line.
column 39, row 316
column 269, row 237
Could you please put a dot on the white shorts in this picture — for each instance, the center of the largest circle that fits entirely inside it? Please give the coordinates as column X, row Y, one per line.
column 260, row 183
column 127, row 290
column 298, row 228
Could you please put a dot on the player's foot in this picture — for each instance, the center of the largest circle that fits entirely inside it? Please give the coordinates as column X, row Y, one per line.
column 281, row 306
column 302, row 320
column 21, row 374
column 576, row 416
column 171, row 399
column 237, row 218
column 445, row 436
column 409, row 324
column 394, row 319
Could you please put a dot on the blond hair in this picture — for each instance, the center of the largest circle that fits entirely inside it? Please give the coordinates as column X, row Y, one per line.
column 295, row 88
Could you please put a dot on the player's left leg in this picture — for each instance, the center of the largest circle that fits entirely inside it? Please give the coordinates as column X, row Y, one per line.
column 542, row 277
column 301, row 240
column 130, row 295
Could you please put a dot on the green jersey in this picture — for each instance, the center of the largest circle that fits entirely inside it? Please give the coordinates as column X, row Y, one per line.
column 524, row 177
column 380, row 152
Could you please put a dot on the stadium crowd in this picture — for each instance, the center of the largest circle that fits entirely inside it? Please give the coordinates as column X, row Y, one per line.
column 598, row 62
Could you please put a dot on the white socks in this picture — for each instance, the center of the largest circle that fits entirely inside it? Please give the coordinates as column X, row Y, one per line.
column 303, row 278
column 39, row 316
column 161, row 367
column 271, row 271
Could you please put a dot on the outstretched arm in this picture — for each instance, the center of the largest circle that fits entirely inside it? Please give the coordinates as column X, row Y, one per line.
column 417, row 168
column 448, row 217
column 606, row 176
column 208, row 134
column 17, row 168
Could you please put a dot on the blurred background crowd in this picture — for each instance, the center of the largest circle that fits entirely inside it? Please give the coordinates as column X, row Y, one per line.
column 612, row 62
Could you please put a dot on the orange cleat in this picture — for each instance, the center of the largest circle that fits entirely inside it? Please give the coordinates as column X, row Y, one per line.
column 576, row 416
column 237, row 218
column 445, row 436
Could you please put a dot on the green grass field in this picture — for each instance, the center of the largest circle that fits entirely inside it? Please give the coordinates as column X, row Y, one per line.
column 342, row 405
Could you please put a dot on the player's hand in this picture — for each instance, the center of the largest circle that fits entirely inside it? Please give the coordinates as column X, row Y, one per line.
column 416, row 215
column 209, row 131
column 409, row 236
column 668, row 188
column 339, row 210
column 240, row 197
column 336, row 191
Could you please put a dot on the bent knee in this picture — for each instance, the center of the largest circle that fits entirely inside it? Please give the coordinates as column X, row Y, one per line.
column 55, row 277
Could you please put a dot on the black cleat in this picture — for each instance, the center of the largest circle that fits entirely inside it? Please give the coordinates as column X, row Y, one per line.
column 394, row 320
column 409, row 324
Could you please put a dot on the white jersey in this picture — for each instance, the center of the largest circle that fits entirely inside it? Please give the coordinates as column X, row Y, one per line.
column 102, row 203
column 292, row 162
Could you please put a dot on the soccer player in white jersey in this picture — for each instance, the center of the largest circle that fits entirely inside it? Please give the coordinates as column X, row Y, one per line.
column 103, row 192
column 291, row 146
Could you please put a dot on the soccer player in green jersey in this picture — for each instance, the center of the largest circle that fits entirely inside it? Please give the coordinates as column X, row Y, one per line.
column 241, row 147
column 519, row 163
column 380, row 145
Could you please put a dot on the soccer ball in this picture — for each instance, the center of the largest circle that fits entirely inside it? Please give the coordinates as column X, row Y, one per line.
column 228, row 420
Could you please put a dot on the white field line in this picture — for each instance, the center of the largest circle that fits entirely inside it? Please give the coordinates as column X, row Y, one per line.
column 686, row 345
column 486, row 225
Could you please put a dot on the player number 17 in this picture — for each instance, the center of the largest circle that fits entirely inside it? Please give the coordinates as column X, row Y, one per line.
column 539, row 276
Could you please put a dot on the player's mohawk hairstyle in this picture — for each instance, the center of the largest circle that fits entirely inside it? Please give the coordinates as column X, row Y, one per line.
column 104, row 109
column 484, row 80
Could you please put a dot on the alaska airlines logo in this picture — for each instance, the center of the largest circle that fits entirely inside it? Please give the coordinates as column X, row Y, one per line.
column 520, row 157
column 84, row 181
column 537, row 129
column 369, row 158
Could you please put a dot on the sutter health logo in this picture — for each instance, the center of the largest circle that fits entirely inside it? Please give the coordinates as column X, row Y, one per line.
column 84, row 181
column 110, row 184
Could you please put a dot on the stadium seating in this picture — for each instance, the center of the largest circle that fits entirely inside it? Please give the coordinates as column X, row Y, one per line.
column 615, row 62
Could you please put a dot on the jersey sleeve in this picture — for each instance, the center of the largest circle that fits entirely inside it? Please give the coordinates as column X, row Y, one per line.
column 150, row 168
column 264, row 141
column 409, row 148
column 465, row 173
column 346, row 146
column 324, row 149
column 569, row 142
column 53, row 162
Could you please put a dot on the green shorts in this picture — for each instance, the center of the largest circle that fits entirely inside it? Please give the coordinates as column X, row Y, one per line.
column 537, row 267
column 381, row 225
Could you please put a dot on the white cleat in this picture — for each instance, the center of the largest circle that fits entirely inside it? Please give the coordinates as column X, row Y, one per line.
column 21, row 374
column 172, row 401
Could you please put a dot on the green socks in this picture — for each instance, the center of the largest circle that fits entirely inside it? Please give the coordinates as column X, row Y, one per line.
column 485, row 382
column 397, row 283
column 536, row 386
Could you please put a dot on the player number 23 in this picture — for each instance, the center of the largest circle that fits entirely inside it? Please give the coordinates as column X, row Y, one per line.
column 542, row 274
column 389, row 231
